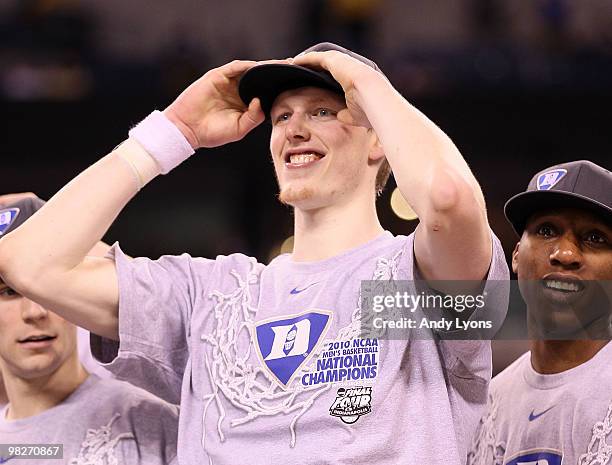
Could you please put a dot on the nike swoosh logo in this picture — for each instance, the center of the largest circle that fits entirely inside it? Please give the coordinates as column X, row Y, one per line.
column 533, row 416
column 295, row 290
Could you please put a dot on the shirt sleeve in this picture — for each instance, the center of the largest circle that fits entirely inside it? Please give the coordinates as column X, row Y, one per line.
column 156, row 300
column 469, row 352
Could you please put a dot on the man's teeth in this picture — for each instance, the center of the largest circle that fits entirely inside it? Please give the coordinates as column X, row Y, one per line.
column 563, row 286
column 303, row 158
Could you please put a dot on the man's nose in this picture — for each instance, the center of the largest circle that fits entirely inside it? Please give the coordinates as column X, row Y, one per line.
column 31, row 311
column 566, row 253
column 297, row 128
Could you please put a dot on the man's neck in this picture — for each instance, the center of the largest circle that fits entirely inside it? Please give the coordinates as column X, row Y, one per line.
column 330, row 231
column 29, row 397
column 549, row 357
column 3, row 398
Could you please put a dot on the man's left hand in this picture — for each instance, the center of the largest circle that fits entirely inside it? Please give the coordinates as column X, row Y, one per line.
column 350, row 73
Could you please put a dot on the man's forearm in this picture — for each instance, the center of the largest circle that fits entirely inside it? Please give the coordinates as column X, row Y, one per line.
column 421, row 155
column 453, row 239
column 60, row 235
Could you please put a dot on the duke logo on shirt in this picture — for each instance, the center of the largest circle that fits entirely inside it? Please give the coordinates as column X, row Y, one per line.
column 547, row 457
column 285, row 343
column 547, row 180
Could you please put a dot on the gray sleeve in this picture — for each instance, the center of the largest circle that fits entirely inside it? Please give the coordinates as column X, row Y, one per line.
column 467, row 353
column 155, row 306
column 471, row 352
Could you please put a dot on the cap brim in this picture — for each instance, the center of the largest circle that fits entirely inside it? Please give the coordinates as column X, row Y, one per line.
column 519, row 208
column 268, row 81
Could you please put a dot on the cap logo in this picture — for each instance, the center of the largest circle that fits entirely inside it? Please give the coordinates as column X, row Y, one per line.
column 549, row 179
column 7, row 217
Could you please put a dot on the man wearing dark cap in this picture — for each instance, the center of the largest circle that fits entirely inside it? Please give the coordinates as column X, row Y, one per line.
column 553, row 405
column 54, row 400
column 268, row 361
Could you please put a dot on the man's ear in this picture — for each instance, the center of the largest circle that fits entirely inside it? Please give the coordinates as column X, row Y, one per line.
column 376, row 150
column 515, row 253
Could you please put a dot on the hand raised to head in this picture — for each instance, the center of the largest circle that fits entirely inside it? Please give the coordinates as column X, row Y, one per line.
column 349, row 73
column 210, row 112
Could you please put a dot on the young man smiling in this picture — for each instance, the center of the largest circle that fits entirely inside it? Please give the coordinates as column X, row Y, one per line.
column 252, row 351
column 54, row 400
column 552, row 405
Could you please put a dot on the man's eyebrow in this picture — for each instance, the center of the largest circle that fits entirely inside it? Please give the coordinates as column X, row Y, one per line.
column 591, row 221
column 602, row 226
column 278, row 106
column 603, row 221
column 326, row 101
column 310, row 101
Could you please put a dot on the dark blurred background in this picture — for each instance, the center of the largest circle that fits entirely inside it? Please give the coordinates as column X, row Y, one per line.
column 517, row 85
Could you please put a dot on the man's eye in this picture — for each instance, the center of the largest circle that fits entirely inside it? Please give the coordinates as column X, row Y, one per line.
column 546, row 230
column 7, row 292
column 323, row 112
column 282, row 117
column 596, row 237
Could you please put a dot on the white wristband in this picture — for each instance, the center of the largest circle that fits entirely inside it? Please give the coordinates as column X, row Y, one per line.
column 162, row 140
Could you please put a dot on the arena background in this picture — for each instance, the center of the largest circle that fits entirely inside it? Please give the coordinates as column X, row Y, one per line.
column 517, row 85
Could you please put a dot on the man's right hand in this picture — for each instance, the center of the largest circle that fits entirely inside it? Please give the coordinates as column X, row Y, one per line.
column 49, row 251
column 210, row 112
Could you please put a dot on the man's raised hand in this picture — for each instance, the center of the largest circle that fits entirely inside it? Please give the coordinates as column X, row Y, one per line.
column 210, row 112
column 350, row 73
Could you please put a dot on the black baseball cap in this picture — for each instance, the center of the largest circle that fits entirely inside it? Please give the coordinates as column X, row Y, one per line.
column 14, row 215
column 269, row 81
column 577, row 184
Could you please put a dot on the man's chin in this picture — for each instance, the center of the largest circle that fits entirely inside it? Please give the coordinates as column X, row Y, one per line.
column 31, row 371
column 296, row 197
column 569, row 323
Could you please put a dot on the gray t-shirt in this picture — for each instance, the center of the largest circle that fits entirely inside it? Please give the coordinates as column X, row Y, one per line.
column 268, row 365
column 533, row 418
column 103, row 422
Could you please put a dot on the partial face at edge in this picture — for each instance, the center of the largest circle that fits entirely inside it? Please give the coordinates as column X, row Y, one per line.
column 318, row 159
column 33, row 341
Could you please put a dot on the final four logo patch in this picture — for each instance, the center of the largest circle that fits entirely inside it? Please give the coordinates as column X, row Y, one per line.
column 285, row 344
column 547, row 180
column 7, row 217
column 351, row 403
